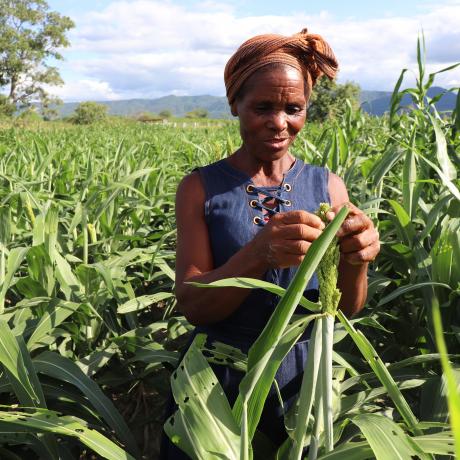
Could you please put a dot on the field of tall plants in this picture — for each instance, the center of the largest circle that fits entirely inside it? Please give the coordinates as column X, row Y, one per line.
column 90, row 338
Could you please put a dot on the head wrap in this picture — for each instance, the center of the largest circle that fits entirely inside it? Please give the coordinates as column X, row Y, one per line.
column 308, row 53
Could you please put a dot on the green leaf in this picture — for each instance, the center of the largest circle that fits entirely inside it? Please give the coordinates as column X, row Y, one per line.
column 350, row 451
column 13, row 362
column 382, row 373
column 56, row 313
column 205, row 424
column 411, row 287
column 439, row 443
column 96, row 360
column 445, row 179
column 260, row 352
column 15, row 258
column 251, row 283
column 442, row 156
column 453, row 396
column 387, row 439
column 142, row 302
column 409, row 178
column 384, row 164
column 58, row 367
column 148, row 354
column 396, row 97
column 405, row 225
column 45, row 421
column 5, row 225
column 69, row 283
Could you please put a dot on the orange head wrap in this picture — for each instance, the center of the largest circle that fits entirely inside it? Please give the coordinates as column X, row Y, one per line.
column 308, row 53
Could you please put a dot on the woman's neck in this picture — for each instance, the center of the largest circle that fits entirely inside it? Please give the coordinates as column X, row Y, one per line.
column 263, row 173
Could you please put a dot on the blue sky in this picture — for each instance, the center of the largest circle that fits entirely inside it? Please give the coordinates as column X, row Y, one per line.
column 124, row 49
column 340, row 8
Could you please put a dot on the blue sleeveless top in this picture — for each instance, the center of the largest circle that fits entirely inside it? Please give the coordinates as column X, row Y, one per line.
column 234, row 215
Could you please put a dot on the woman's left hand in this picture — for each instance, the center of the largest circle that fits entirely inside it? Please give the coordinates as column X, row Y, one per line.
column 358, row 238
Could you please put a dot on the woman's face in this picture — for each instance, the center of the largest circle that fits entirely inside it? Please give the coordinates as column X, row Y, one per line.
column 272, row 110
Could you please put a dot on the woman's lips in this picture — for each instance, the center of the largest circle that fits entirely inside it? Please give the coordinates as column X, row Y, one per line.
column 278, row 143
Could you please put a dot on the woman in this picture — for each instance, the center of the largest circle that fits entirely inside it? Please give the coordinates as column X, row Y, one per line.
column 252, row 214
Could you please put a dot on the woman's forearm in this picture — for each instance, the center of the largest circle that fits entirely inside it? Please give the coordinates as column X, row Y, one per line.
column 204, row 305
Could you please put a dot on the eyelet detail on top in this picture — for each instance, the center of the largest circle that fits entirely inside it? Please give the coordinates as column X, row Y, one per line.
column 250, row 188
column 257, row 220
column 287, row 203
column 253, row 203
column 287, row 187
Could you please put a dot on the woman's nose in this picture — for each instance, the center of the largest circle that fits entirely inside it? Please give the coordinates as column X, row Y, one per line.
column 278, row 121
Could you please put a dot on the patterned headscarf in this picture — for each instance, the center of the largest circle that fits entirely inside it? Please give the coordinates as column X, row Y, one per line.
column 308, row 53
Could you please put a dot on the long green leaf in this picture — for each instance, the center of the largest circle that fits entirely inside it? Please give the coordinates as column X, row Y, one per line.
column 387, row 439
column 266, row 343
column 56, row 313
column 409, row 178
column 350, row 451
column 58, row 367
column 141, row 302
column 381, row 372
column 44, row 421
column 453, row 396
column 411, row 287
column 15, row 258
column 405, row 225
column 439, row 443
column 442, row 156
column 12, row 361
column 445, row 179
column 251, row 283
column 206, row 427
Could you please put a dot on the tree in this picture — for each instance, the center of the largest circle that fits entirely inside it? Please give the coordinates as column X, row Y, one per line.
column 197, row 113
column 328, row 99
column 30, row 34
column 165, row 114
column 148, row 117
column 89, row 112
column 6, row 108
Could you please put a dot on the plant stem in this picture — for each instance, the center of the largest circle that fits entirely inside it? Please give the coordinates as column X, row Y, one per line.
column 307, row 389
column 326, row 380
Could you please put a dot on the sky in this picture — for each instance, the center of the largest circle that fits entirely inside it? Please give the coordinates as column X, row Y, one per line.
column 125, row 49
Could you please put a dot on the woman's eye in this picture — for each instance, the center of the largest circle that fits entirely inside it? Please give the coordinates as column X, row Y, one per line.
column 262, row 108
column 293, row 109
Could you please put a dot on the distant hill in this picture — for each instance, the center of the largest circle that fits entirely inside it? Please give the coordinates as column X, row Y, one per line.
column 373, row 102
column 217, row 107
column 381, row 104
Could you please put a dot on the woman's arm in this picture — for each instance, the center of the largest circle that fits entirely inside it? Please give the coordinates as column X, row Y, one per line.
column 283, row 242
column 194, row 261
column 359, row 245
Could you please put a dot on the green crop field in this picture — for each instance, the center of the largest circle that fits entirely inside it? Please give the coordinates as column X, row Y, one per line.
column 89, row 335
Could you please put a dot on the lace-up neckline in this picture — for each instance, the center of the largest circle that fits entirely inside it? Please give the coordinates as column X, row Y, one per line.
column 259, row 197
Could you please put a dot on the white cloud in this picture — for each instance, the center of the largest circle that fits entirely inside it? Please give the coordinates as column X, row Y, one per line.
column 85, row 90
column 149, row 48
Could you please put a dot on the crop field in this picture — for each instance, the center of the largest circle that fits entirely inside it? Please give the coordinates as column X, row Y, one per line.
column 89, row 334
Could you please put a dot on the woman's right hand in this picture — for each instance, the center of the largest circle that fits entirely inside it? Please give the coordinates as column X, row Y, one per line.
column 286, row 238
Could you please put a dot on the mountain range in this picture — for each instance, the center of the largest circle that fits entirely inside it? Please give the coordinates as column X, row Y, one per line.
column 372, row 102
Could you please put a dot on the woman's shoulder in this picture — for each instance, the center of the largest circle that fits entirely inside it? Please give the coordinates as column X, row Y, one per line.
column 304, row 170
column 197, row 184
column 191, row 188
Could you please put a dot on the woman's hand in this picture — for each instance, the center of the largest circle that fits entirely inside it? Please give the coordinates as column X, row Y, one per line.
column 358, row 238
column 286, row 238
